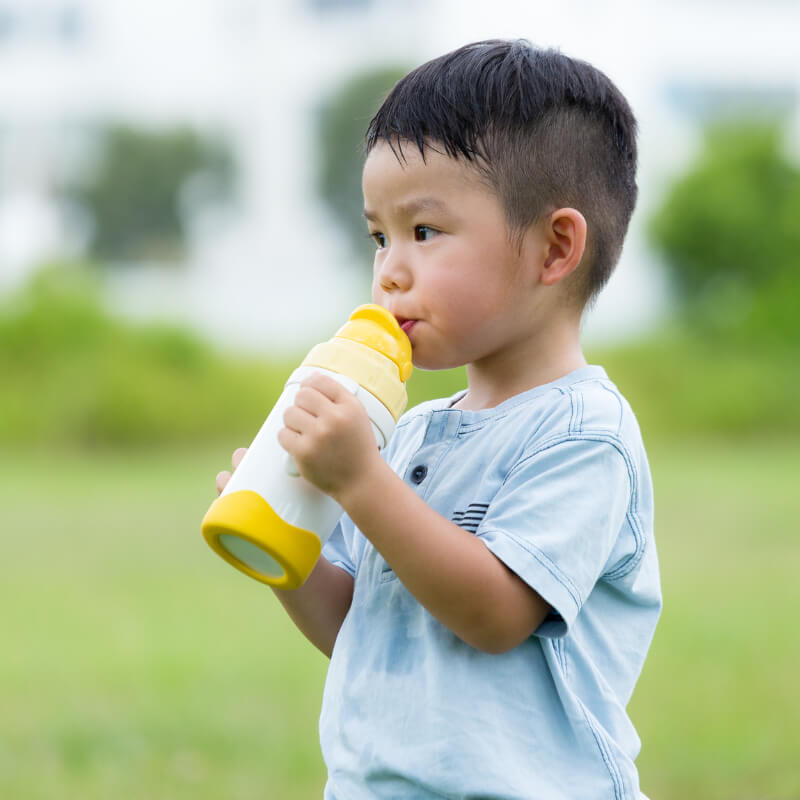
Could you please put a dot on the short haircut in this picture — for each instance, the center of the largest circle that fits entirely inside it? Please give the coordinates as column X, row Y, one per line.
column 544, row 130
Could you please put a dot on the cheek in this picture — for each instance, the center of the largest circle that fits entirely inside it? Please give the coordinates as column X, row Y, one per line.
column 476, row 308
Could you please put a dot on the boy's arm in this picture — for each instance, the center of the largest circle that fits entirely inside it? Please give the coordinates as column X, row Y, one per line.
column 450, row 572
column 320, row 605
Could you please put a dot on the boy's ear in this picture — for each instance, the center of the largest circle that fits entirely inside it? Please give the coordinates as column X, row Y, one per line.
column 565, row 240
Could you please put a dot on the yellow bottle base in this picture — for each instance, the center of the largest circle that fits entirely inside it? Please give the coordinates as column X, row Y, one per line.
column 242, row 527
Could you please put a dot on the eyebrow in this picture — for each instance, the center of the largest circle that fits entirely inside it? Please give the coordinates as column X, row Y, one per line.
column 411, row 207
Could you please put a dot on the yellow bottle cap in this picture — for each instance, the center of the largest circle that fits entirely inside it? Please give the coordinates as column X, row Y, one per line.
column 373, row 350
column 375, row 327
column 244, row 529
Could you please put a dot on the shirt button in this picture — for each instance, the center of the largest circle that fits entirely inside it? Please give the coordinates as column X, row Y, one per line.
column 418, row 473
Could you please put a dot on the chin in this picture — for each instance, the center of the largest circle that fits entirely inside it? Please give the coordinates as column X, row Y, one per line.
column 432, row 364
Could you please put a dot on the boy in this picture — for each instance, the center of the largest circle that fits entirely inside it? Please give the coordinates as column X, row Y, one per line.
column 489, row 596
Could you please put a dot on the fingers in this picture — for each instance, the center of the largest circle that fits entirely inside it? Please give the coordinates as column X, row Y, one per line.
column 327, row 386
column 313, row 399
column 288, row 439
column 238, row 455
column 316, row 396
column 297, row 419
column 221, row 481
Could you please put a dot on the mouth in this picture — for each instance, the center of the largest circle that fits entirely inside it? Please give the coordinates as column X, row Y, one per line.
column 405, row 324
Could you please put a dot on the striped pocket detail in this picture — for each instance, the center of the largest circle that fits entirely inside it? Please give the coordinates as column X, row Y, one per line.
column 471, row 517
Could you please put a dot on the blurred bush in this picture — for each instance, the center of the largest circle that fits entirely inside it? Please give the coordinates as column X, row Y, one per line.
column 73, row 375
column 143, row 188
column 680, row 383
column 729, row 232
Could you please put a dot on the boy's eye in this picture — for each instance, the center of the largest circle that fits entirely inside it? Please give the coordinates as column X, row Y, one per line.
column 379, row 239
column 422, row 233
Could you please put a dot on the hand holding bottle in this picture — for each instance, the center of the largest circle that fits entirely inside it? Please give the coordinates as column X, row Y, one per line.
column 328, row 434
column 270, row 522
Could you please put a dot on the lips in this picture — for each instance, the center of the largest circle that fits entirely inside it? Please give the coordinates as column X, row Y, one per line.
column 406, row 324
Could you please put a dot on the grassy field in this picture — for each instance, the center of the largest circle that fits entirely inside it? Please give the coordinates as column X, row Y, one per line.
column 134, row 663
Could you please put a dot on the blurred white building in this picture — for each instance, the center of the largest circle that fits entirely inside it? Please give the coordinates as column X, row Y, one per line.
column 258, row 70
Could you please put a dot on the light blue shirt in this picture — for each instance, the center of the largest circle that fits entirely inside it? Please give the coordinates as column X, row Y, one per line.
column 555, row 482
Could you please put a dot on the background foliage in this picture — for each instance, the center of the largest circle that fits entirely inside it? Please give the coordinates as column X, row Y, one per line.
column 144, row 186
column 729, row 232
column 342, row 123
column 74, row 375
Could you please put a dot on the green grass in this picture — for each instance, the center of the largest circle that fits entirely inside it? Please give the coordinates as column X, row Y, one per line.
column 137, row 664
column 719, row 699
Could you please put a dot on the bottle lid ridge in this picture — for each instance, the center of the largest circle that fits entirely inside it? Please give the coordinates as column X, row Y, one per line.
column 374, row 326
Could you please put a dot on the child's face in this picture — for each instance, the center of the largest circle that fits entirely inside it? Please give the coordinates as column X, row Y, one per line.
column 445, row 265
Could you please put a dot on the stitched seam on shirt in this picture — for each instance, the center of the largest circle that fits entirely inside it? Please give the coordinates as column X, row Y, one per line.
column 571, row 424
column 619, row 403
column 543, row 559
column 632, row 561
column 628, row 564
column 412, row 782
column 469, row 427
column 408, row 420
column 611, row 764
column 465, row 428
column 560, row 653
column 579, row 416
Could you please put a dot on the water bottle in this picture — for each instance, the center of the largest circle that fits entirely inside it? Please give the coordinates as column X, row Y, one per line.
column 269, row 521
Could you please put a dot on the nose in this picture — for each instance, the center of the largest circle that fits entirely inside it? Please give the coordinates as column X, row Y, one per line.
column 392, row 272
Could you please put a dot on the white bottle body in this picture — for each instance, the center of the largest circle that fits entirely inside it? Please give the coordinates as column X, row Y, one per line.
column 268, row 470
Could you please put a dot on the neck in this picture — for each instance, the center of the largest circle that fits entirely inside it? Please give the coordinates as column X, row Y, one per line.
column 531, row 362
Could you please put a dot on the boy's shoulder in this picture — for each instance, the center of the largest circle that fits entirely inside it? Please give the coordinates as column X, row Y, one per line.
column 596, row 405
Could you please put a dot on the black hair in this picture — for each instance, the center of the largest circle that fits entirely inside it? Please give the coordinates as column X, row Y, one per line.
column 544, row 130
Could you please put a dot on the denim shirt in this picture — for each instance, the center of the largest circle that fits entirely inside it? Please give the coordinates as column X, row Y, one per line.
column 555, row 482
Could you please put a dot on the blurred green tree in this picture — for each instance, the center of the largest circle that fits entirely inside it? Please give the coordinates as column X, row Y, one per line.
column 729, row 231
column 343, row 121
column 144, row 186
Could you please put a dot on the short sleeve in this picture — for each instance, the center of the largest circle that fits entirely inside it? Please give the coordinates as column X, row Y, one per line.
column 556, row 519
column 339, row 549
